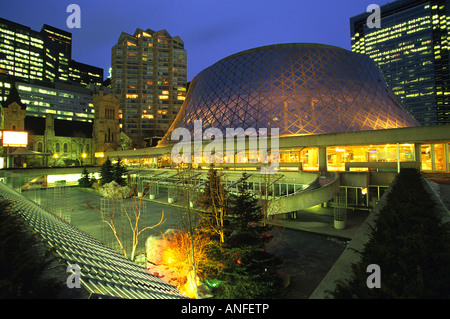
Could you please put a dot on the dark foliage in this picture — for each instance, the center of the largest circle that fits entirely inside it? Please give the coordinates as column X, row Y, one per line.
column 23, row 260
column 85, row 181
column 118, row 171
column 247, row 269
column 106, row 172
column 409, row 243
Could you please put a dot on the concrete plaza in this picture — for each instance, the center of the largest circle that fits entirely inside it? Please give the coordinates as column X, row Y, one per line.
column 307, row 256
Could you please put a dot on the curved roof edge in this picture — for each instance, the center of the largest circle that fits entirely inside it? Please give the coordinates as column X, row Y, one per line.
column 282, row 46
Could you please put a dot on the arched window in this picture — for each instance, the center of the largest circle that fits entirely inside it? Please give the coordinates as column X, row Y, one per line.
column 39, row 146
column 57, row 149
column 66, row 148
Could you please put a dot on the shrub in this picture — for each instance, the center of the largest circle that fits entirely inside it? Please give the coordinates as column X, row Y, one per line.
column 85, row 181
column 115, row 191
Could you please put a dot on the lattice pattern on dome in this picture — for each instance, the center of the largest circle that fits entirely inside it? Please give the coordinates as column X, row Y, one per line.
column 298, row 88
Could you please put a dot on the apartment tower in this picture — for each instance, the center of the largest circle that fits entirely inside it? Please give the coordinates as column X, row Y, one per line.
column 148, row 71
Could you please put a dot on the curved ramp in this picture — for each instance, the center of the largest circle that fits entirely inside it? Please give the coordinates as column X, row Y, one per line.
column 311, row 196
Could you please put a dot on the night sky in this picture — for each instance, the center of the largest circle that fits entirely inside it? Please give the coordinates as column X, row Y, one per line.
column 210, row 29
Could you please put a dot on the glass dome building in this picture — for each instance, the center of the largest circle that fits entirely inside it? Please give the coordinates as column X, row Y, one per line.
column 299, row 88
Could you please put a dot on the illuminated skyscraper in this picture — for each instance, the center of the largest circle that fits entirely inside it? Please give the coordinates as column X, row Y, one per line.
column 411, row 48
column 149, row 73
column 39, row 65
column 43, row 55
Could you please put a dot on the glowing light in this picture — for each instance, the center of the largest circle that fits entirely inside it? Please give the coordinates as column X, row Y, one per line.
column 15, row 138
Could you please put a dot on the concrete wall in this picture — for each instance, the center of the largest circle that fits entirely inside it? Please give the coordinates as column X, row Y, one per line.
column 354, row 179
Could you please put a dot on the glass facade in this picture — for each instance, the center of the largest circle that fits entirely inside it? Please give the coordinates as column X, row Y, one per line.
column 299, row 88
column 338, row 156
column 66, row 105
column 45, row 56
column 411, row 48
column 84, row 73
column 308, row 158
column 435, row 157
column 39, row 65
column 21, row 51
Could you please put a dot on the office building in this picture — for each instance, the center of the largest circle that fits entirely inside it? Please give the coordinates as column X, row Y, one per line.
column 39, row 65
column 148, row 71
column 44, row 56
column 411, row 48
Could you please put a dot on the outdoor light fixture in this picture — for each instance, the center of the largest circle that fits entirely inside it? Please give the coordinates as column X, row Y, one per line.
column 83, row 157
column 15, row 138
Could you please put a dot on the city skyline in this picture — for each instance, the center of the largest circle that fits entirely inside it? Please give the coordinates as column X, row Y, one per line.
column 211, row 30
column 324, row 185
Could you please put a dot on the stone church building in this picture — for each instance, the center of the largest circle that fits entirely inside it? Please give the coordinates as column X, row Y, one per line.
column 55, row 142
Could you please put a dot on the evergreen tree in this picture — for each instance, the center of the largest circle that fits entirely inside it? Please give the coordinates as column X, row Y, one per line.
column 106, row 172
column 409, row 242
column 118, row 171
column 249, row 271
column 213, row 203
column 84, row 181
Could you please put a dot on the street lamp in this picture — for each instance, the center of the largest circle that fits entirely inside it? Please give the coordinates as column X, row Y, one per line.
column 83, row 157
column 55, row 156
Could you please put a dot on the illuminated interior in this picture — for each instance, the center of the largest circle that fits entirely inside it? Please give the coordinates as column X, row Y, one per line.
column 338, row 156
column 435, row 157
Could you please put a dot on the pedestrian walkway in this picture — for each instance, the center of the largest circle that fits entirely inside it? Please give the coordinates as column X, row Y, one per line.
column 320, row 220
column 316, row 219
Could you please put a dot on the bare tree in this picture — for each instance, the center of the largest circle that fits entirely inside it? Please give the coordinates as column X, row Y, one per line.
column 188, row 187
column 132, row 213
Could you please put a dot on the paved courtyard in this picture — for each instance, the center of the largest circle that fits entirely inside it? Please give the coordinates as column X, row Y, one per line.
column 307, row 257
column 81, row 209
